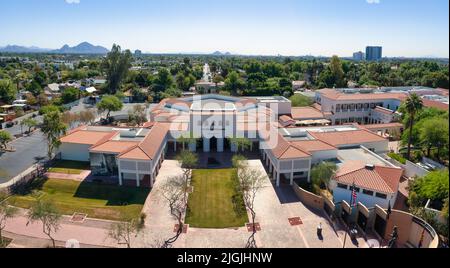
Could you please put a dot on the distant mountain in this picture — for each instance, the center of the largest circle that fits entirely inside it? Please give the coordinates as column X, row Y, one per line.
column 83, row 48
column 22, row 49
column 218, row 53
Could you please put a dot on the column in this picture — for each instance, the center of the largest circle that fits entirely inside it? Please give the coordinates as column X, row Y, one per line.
column 278, row 179
column 220, row 145
column 151, row 180
column 175, row 146
column 193, row 147
column 138, row 183
column 206, row 145
column 292, row 178
column 120, row 174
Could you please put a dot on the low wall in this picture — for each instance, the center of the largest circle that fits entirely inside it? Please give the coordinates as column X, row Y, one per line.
column 411, row 230
column 309, row 198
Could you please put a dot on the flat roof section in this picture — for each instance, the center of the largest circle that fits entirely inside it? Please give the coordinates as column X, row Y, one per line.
column 361, row 155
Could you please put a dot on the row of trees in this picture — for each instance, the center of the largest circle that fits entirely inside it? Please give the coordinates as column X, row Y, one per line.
column 428, row 130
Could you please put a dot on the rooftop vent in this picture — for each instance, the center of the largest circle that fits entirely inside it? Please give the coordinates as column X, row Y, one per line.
column 370, row 167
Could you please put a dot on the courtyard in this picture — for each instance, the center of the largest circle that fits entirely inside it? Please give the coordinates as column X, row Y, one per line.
column 215, row 202
column 274, row 207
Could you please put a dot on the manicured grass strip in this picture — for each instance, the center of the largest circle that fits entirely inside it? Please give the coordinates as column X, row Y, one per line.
column 211, row 203
column 98, row 201
column 69, row 167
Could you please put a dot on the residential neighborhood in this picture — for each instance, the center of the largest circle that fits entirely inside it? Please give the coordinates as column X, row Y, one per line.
column 109, row 148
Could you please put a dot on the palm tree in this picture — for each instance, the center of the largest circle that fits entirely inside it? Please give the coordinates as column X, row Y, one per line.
column 413, row 106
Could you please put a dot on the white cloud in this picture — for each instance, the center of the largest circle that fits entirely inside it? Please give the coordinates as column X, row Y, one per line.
column 373, row 1
column 72, row 1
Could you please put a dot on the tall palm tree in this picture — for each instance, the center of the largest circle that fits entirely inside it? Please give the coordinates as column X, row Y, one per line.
column 413, row 106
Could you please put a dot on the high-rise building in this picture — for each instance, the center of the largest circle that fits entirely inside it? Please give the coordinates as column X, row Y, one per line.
column 358, row 56
column 374, row 53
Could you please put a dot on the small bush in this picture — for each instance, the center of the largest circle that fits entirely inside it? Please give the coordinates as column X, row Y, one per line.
column 397, row 157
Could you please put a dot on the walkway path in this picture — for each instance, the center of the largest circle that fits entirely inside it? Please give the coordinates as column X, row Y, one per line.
column 91, row 233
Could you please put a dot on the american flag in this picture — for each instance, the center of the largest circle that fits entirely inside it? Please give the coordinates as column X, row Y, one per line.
column 354, row 195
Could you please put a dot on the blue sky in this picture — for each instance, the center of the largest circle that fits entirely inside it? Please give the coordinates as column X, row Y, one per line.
column 269, row 27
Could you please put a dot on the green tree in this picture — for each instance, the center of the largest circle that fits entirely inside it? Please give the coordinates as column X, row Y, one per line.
column 30, row 123
column 413, row 106
column 8, row 91
column 53, row 128
column 35, row 88
column 434, row 132
column 109, row 104
column 234, row 83
column 46, row 212
column 163, row 81
column 299, row 100
column 241, row 143
column 321, row 174
column 70, row 95
column 5, row 138
column 434, row 186
column 116, row 64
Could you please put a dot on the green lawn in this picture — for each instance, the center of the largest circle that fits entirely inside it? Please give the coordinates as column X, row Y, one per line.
column 215, row 202
column 69, row 167
column 98, row 201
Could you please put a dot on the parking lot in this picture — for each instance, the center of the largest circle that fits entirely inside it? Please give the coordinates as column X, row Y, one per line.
column 29, row 150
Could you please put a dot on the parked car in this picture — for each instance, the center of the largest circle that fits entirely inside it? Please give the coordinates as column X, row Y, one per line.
column 9, row 124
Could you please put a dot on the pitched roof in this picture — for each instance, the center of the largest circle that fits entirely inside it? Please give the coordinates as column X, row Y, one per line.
column 285, row 150
column 86, row 137
column 313, row 146
column 381, row 126
column 379, row 178
column 338, row 138
column 114, row 147
column 303, row 113
column 435, row 104
column 148, row 148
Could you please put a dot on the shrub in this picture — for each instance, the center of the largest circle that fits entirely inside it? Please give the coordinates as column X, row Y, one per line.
column 397, row 157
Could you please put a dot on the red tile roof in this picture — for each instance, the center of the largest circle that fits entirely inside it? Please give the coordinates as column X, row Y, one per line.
column 149, row 147
column 305, row 113
column 113, row 147
column 336, row 95
column 86, row 137
column 380, row 179
column 285, row 150
column 313, row 146
column 382, row 126
column 339, row 138
column 435, row 104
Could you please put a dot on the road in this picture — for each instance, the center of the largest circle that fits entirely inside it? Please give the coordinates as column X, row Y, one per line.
column 206, row 73
column 29, row 150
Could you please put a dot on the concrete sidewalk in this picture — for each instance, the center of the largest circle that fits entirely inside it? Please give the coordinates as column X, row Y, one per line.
column 89, row 234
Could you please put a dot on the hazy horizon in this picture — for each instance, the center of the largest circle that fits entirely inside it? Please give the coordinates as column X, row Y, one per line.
column 404, row 28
